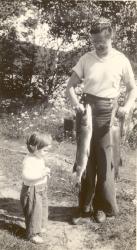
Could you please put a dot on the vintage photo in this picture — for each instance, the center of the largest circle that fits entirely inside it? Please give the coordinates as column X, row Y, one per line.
column 68, row 124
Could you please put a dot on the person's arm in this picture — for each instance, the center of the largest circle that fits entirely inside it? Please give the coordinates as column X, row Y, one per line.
column 73, row 82
column 132, row 95
column 131, row 91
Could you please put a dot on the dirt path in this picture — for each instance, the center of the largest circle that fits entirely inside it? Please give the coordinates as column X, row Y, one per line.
column 61, row 234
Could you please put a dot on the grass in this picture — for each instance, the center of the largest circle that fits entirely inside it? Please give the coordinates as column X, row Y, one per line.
column 113, row 234
column 20, row 117
column 119, row 232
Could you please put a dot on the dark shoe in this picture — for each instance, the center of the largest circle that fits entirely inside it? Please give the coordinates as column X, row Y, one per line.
column 100, row 216
column 81, row 218
column 111, row 216
column 113, row 213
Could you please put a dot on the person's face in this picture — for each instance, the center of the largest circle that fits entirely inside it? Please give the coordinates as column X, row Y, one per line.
column 41, row 153
column 101, row 43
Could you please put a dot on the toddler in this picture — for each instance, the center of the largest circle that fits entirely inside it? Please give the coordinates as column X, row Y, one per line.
column 34, row 188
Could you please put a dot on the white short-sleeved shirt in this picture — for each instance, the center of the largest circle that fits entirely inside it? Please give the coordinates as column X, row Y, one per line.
column 34, row 171
column 102, row 76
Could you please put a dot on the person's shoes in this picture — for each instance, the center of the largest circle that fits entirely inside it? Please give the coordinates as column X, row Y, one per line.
column 111, row 215
column 81, row 218
column 100, row 216
column 37, row 239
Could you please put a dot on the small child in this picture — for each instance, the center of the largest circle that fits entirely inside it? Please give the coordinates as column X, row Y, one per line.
column 34, row 188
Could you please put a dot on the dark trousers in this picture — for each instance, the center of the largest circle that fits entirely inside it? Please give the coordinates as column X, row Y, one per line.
column 34, row 203
column 98, row 185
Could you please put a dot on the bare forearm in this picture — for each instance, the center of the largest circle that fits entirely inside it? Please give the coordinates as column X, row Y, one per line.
column 132, row 95
column 72, row 96
column 74, row 81
column 129, row 104
column 74, row 99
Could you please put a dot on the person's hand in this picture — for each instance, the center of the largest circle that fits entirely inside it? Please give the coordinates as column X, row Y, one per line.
column 46, row 172
column 77, row 184
column 80, row 108
column 77, row 181
column 117, row 176
column 123, row 112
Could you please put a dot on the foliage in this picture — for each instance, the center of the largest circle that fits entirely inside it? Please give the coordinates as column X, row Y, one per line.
column 67, row 18
column 27, row 68
column 19, row 118
column 35, row 65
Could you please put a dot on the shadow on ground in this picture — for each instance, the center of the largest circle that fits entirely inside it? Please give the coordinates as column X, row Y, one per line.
column 61, row 214
column 12, row 220
column 11, row 217
column 12, row 228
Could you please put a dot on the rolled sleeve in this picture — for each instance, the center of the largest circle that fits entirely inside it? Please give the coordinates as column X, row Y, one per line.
column 79, row 68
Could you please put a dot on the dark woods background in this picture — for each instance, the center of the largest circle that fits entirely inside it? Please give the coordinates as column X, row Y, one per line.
column 37, row 71
column 25, row 69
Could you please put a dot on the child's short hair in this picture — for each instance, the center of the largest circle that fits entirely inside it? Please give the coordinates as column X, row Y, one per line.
column 100, row 25
column 37, row 141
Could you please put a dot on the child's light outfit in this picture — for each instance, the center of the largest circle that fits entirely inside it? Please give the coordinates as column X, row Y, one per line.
column 33, row 196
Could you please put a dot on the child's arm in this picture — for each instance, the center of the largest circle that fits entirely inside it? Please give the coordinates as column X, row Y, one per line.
column 46, row 172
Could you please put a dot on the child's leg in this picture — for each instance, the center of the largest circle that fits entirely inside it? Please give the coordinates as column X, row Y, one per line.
column 31, row 201
column 24, row 198
column 44, row 209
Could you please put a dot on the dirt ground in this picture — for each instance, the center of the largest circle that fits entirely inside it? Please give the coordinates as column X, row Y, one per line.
column 119, row 233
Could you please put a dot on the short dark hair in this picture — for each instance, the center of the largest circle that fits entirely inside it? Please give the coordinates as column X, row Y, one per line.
column 37, row 141
column 101, row 24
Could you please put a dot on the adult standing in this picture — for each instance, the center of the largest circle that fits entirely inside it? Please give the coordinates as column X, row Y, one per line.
column 102, row 71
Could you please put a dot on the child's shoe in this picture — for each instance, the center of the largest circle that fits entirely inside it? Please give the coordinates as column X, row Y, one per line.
column 100, row 216
column 37, row 239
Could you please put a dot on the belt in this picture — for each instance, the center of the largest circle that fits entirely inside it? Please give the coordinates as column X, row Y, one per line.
column 93, row 97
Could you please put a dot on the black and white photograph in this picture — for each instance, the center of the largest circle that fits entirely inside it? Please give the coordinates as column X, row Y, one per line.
column 68, row 124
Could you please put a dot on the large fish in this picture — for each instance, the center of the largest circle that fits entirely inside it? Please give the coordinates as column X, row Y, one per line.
column 120, row 130
column 84, row 135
